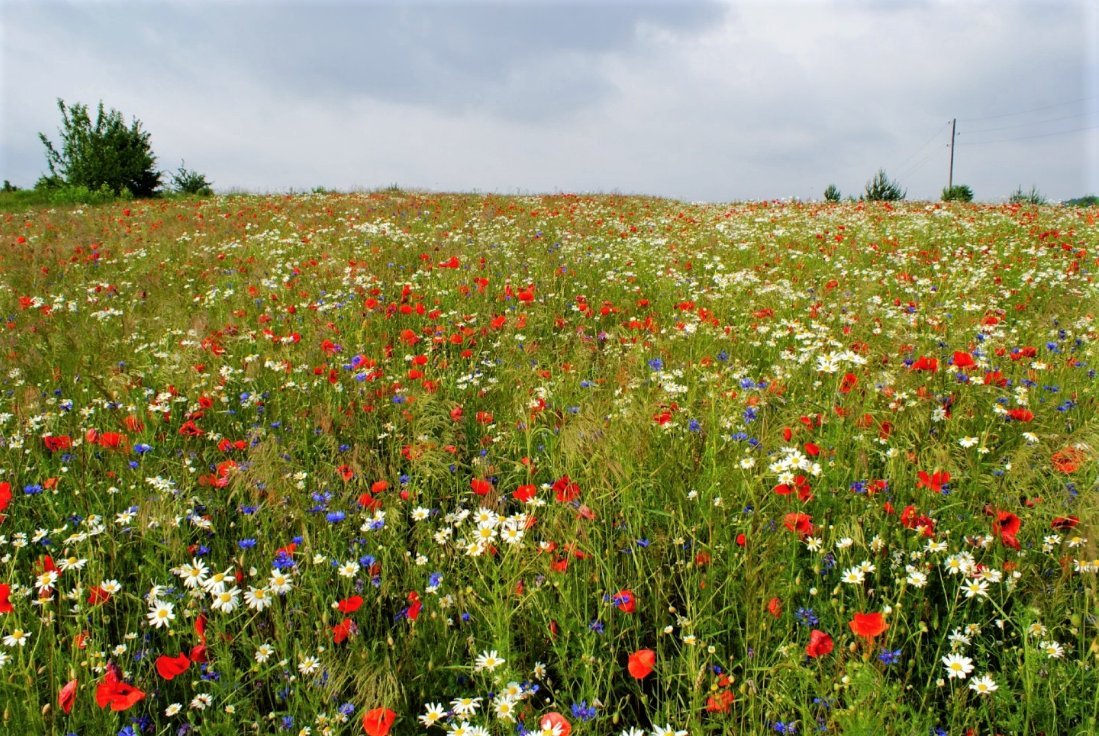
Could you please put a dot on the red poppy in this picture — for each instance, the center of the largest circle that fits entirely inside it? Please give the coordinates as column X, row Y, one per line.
column 565, row 490
column 963, row 360
column 1061, row 523
column 342, row 630
column 848, row 383
column 800, row 524
column 414, row 606
column 67, row 697
column 111, row 440
column 641, row 663
column 923, row 363
column 1006, row 526
column 171, row 667
column 5, row 604
column 190, row 429
column 198, row 652
column 376, row 722
column 1020, row 414
column 480, row 486
column 868, row 625
column 5, row 495
column 350, row 605
column 115, row 693
column 1064, row 461
column 721, row 702
column 525, row 493
column 774, row 607
column 555, row 719
column 934, row 481
column 819, row 644
column 58, row 443
column 97, row 596
column 625, row 601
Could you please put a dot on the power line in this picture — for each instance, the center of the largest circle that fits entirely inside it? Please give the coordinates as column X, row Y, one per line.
column 1023, row 125
column 925, row 143
column 1027, row 112
column 918, row 164
column 1036, row 135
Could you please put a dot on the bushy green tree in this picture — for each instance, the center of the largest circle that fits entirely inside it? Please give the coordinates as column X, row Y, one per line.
column 832, row 193
column 186, row 181
column 882, row 189
column 103, row 153
column 957, row 193
column 1031, row 197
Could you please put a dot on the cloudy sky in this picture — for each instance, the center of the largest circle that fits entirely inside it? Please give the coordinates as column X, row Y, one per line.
column 710, row 101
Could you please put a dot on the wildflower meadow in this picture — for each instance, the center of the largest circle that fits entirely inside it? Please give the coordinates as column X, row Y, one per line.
column 405, row 463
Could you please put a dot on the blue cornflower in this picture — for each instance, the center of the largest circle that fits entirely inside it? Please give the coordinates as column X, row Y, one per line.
column 335, row 517
column 247, row 543
column 582, row 711
column 806, row 617
column 888, row 657
column 656, row 364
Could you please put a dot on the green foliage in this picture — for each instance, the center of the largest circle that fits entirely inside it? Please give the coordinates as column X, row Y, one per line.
column 882, row 189
column 832, row 193
column 1089, row 201
column 1031, row 197
column 9, row 187
column 185, row 181
column 103, row 153
column 958, row 193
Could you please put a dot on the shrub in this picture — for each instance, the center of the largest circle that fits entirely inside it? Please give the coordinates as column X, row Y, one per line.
column 957, row 193
column 9, row 187
column 832, row 193
column 1087, row 201
column 105, row 153
column 185, row 181
column 882, row 189
column 1031, row 197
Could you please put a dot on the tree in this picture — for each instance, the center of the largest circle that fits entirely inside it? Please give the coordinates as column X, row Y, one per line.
column 957, row 193
column 832, row 193
column 881, row 189
column 1031, row 197
column 101, row 155
column 186, row 181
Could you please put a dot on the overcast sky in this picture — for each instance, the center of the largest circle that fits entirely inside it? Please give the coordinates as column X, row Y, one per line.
column 692, row 100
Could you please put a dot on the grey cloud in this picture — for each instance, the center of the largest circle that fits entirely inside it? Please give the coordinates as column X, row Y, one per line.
column 455, row 57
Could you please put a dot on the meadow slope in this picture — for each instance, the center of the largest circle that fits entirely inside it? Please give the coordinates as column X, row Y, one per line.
column 463, row 464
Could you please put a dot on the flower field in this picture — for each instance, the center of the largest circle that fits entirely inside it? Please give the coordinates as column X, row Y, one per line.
column 455, row 464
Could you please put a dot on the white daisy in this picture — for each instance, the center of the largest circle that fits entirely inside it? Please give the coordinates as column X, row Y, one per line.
column 226, row 600
column 258, row 598
column 983, row 685
column 161, row 614
column 957, row 666
column 433, row 713
column 17, row 638
column 193, row 575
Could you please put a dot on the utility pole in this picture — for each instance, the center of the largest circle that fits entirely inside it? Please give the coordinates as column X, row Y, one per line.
column 950, row 179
